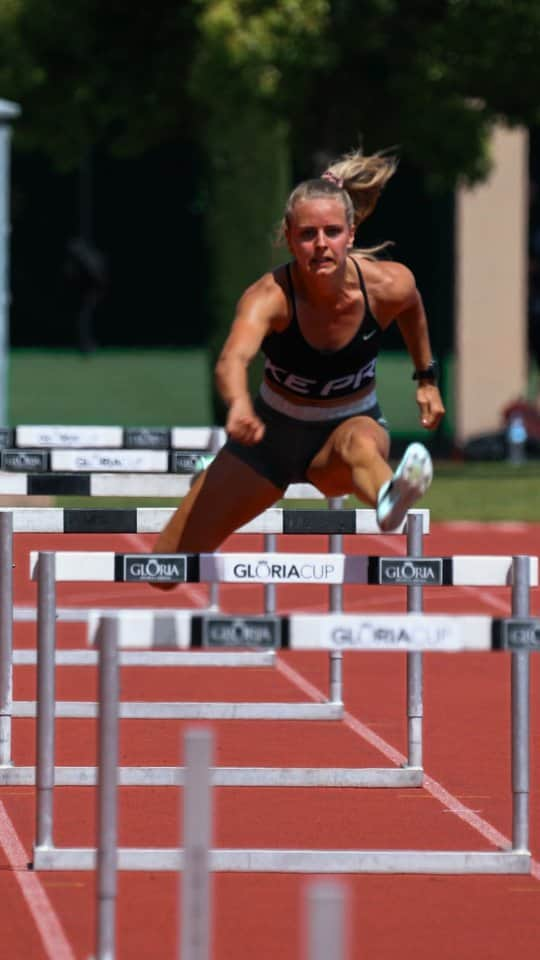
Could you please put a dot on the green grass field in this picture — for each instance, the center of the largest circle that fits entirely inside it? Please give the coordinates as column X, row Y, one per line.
column 485, row 492
column 110, row 387
column 153, row 387
column 475, row 492
column 172, row 388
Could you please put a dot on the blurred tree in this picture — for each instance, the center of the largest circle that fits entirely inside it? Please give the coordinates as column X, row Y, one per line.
column 431, row 76
column 97, row 71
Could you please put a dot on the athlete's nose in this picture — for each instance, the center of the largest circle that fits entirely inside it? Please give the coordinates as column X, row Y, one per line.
column 320, row 239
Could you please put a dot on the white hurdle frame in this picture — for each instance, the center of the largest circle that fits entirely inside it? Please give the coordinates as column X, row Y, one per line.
column 365, row 521
column 516, row 860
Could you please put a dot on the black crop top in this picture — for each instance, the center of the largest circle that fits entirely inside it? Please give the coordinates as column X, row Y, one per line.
column 301, row 370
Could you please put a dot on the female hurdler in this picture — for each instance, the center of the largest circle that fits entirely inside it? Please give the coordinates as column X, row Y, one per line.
column 318, row 320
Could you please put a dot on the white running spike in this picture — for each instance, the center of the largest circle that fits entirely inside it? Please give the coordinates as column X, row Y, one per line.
column 410, row 481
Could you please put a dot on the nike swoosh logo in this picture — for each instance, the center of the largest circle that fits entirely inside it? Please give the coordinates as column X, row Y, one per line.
column 368, row 336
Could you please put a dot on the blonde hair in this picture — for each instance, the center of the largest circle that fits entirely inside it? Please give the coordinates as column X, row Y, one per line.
column 357, row 180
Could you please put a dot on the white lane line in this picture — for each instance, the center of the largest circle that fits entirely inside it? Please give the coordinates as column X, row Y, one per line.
column 47, row 923
column 495, row 602
column 452, row 804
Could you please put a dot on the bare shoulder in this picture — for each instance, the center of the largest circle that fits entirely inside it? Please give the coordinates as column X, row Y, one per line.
column 266, row 298
column 391, row 287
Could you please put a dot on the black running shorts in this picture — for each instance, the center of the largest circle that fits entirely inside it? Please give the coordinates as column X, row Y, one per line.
column 284, row 454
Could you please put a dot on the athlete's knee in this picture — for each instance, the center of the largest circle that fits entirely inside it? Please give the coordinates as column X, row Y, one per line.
column 356, row 448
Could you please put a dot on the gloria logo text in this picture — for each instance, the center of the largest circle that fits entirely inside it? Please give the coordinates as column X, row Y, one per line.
column 240, row 633
column 523, row 635
column 154, row 568
column 370, row 636
column 262, row 570
column 24, row 461
column 103, row 461
column 410, row 571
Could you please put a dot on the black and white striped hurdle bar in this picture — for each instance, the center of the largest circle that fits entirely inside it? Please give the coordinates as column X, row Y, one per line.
column 153, row 519
column 283, row 568
column 104, row 461
column 118, row 485
column 66, row 437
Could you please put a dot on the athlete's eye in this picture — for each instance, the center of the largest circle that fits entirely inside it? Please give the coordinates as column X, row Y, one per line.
column 308, row 233
column 333, row 231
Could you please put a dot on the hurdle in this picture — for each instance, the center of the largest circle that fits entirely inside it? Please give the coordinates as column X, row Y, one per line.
column 418, row 632
column 106, row 484
column 451, row 571
column 76, row 437
column 334, row 522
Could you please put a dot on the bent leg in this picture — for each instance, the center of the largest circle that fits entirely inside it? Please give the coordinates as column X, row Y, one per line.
column 354, row 459
column 228, row 494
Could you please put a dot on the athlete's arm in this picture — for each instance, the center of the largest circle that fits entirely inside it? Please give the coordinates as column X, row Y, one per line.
column 404, row 302
column 255, row 315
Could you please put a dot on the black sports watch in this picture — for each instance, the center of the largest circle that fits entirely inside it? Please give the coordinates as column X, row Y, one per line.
column 431, row 372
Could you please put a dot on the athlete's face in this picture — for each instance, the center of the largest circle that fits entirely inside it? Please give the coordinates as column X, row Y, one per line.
column 318, row 235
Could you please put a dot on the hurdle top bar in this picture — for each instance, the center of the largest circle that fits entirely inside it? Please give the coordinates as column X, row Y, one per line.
column 345, row 631
column 107, row 460
column 153, row 519
column 153, row 485
column 281, row 568
column 112, row 437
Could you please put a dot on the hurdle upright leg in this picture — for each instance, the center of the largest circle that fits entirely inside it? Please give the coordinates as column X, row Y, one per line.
column 335, row 542
column 6, row 636
column 46, row 695
column 107, row 795
column 195, row 940
column 270, row 605
column 520, row 720
column 326, row 920
column 415, row 604
column 216, row 442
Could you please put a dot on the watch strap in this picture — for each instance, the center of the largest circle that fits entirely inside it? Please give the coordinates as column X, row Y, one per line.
column 431, row 372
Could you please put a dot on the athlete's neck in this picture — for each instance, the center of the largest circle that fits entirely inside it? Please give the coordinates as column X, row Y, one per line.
column 319, row 289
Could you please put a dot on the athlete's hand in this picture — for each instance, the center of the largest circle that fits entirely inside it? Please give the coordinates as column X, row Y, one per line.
column 431, row 406
column 243, row 424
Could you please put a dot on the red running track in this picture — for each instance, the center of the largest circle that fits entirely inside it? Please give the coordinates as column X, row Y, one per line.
column 465, row 803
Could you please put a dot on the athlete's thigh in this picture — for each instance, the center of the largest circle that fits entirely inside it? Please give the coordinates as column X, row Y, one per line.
column 330, row 469
column 228, row 494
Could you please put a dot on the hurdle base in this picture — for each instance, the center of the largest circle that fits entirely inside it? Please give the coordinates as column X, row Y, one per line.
column 227, row 776
column 139, row 710
column 153, row 658
column 298, row 861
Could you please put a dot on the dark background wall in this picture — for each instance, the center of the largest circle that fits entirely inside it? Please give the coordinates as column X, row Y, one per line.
column 145, row 216
column 420, row 223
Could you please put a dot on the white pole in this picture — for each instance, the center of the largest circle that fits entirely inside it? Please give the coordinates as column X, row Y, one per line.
column 327, row 934
column 195, row 941
column 8, row 112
